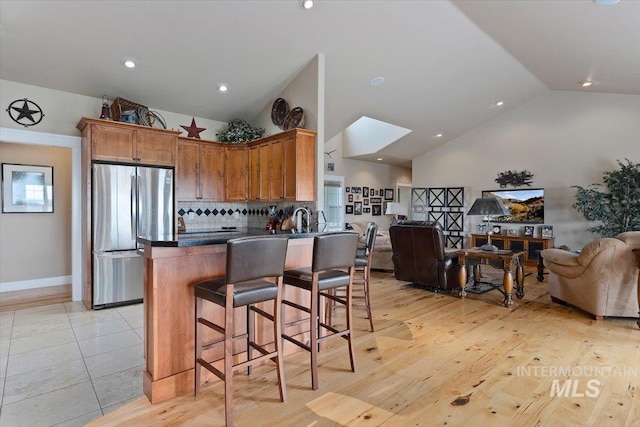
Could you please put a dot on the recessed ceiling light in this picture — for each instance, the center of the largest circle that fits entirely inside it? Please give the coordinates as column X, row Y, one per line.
column 606, row 2
column 223, row 87
column 128, row 62
column 379, row 158
column 306, row 4
column 500, row 103
column 438, row 135
column 586, row 83
column 377, row 81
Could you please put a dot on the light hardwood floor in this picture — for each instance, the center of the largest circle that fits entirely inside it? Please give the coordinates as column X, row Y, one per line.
column 438, row 360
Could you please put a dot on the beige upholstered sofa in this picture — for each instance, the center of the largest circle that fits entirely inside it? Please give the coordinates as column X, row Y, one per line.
column 381, row 257
column 602, row 279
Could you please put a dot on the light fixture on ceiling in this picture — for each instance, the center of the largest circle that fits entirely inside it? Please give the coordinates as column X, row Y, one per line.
column 377, row 81
column 306, row 4
column 499, row 103
column 606, row 2
column 438, row 135
column 223, row 87
column 129, row 62
column 379, row 159
column 586, row 83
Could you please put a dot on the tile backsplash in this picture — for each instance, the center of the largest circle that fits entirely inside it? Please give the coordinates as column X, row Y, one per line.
column 199, row 215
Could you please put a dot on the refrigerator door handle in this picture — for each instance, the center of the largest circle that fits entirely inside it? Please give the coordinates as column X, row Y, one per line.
column 134, row 208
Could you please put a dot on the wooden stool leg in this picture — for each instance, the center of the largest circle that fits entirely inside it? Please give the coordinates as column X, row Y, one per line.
column 367, row 299
column 198, row 346
column 349, row 316
column 313, row 330
column 277, row 339
column 251, row 326
column 228, row 359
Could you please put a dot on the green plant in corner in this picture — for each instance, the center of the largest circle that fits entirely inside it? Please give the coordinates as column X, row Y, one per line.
column 617, row 208
column 239, row 131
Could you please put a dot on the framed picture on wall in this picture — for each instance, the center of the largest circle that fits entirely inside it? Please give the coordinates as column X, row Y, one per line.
column 27, row 188
column 347, row 189
column 528, row 230
column 366, row 202
column 376, row 200
column 388, row 194
column 547, row 231
column 365, row 191
column 348, row 209
column 350, row 198
column 357, row 208
column 366, row 210
column 376, row 210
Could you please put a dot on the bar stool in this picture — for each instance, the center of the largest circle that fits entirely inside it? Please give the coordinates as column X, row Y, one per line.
column 250, row 262
column 361, row 279
column 333, row 253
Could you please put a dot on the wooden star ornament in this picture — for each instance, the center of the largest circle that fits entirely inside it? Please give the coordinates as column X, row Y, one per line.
column 193, row 130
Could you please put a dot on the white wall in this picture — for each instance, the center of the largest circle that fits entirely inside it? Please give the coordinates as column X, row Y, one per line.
column 563, row 138
column 359, row 173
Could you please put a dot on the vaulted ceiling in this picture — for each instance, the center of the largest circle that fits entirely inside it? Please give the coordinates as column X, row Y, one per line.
column 444, row 63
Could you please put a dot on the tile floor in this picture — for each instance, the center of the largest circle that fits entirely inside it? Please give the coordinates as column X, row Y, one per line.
column 63, row 365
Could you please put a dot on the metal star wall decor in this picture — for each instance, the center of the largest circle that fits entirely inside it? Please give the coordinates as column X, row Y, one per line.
column 24, row 115
column 193, row 130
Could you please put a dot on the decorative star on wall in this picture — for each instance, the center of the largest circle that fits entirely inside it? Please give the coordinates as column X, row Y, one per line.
column 193, row 130
column 25, row 115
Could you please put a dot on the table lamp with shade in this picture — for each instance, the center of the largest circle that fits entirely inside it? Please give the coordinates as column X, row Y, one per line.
column 398, row 210
column 488, row 206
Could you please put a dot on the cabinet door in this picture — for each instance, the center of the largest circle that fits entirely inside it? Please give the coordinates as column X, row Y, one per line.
column 211, row 172
column 111, row 143
column 265, row 172
column 187, row 169
column 236, row 173
column 154, row 148
column 254, row 172
column 300, row 167
column 276, row 163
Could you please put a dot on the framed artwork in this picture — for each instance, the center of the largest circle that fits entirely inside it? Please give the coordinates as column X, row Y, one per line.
column 366, row 210
column 347, row 189
column 376, row 210
column 350, row 198
column 381, row 192
column 372, row 192
column 528, row 230
column 357, row 208
column 547, row 231
column 388, row 194
column 27, row 188
column 331, row 166
column 366, row 202
column 376, row 200
column 365, row 191
column 348, row 209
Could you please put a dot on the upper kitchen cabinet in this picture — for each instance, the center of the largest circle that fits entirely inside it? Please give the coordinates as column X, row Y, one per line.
column 200, row 171
column 283, row 167
column 236, row 176
column 126, row 143
column 299, row 168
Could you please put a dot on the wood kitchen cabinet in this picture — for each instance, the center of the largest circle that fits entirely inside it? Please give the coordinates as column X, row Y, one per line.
column 236, row 175
column 283, row 167
column 200, row 171
column 126, row 143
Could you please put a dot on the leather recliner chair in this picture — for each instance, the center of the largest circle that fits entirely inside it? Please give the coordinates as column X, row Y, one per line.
column 419, row 255
column 601, row 279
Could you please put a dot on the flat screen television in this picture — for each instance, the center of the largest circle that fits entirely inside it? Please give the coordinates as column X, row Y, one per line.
column 525, row 205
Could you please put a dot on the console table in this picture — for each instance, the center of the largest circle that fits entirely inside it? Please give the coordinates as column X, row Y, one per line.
column 530, row 245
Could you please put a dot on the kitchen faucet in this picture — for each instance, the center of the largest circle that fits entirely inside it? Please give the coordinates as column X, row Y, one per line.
column 299, row 214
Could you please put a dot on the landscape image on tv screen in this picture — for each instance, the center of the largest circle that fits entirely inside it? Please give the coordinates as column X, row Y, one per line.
column 526, row 206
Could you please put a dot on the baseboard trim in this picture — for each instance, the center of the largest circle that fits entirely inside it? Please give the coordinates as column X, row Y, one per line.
column 34, row 283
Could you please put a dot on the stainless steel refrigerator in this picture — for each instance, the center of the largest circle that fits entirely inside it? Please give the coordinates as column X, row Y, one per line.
column 128, row 201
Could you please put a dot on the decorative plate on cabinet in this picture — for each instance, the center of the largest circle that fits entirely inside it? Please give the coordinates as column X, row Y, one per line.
column 279, row 112
column 295, row 119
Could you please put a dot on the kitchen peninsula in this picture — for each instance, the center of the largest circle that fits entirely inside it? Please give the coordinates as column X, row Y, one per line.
column 172, row 264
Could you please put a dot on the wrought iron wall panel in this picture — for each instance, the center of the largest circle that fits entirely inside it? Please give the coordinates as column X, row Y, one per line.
column 443, row 205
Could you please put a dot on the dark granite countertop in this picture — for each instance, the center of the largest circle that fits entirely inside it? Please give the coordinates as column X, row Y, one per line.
column 217, row 237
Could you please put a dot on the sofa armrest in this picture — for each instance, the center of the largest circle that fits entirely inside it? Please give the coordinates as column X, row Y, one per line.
column 562, row 263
